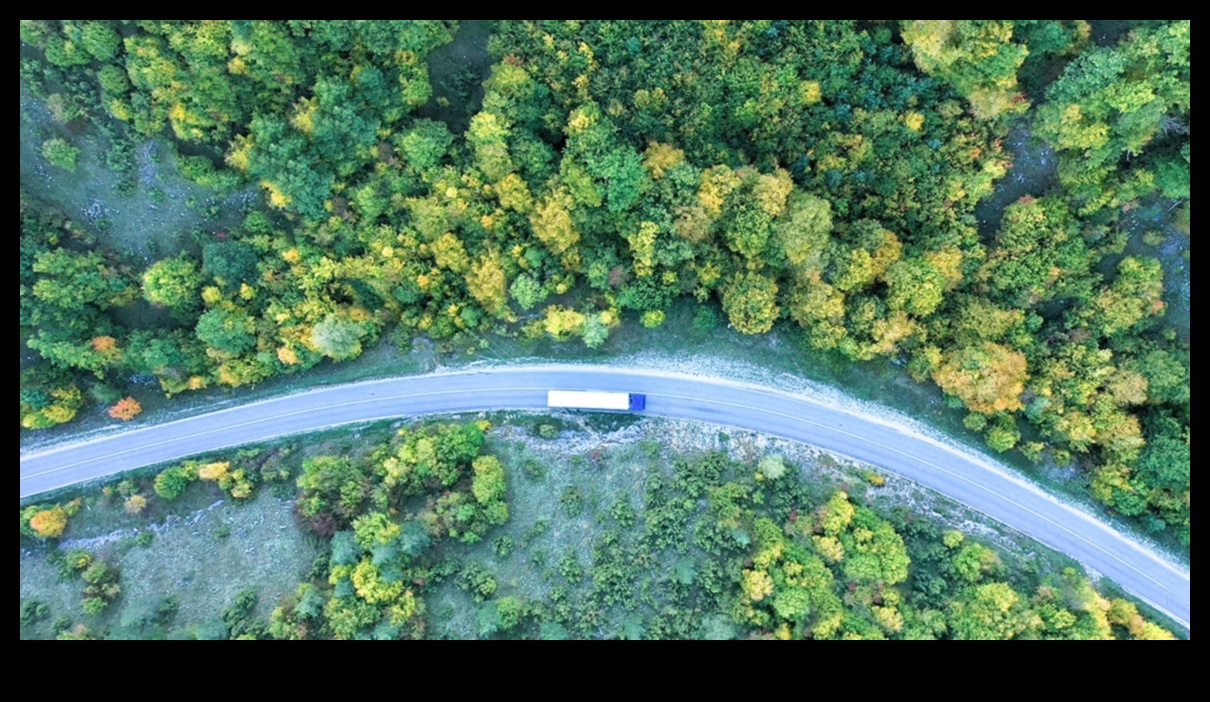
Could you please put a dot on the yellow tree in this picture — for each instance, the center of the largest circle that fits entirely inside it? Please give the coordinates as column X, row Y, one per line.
column 552, row 223
column 135, row 504
column 562, row 322
column 770, row 191
column 987, row 377
column 514, row 194
column 750, row 301
column 449, row 253
column 642, row 245
column 486, row 283
column 658, row 158
column 49, row 523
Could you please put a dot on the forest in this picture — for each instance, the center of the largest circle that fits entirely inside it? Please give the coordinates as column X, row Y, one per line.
column 699, row 546
column 818, row 177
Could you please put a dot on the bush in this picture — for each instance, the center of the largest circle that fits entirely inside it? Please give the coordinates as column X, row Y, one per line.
column 126, row 409
column 171, row 482
column 166, row 610
column 33, row 611
column 572, row 501
column 502, row 546
column 623, row 512
column 49, row 523
column 59, row 153
column 76, row 560
column 534, row 470
column 94, row 605
column 135, row 504
column 705, row 319
column 571, row 569
column 772, row 467
column 652, row 318
column 1002, row 434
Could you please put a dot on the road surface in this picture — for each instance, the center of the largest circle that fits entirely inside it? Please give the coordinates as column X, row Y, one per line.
column 963, row 477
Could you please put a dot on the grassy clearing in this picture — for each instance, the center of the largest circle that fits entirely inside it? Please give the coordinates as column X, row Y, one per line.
column 205, row 550
column 570, row 475
column 566, row 492
column 1152, row 232
column 153, row 222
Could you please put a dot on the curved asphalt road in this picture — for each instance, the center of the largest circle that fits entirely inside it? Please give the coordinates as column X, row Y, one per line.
column 950, row 472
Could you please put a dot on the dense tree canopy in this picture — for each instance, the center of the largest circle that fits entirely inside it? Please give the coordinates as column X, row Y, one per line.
column 824, row 173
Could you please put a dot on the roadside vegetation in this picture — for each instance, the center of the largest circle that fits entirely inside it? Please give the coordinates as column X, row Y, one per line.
column 822, row 177
column 542, row 527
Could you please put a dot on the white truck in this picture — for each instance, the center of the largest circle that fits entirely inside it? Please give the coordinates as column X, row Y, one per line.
column 596, row 400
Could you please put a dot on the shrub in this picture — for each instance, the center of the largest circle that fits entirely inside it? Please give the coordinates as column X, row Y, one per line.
column 59, row 153
column 49, row 523
column 33, row 611
column 652, row 318
column 572, row 501
column 171, row 482
column 126, row 409
column 135, row 504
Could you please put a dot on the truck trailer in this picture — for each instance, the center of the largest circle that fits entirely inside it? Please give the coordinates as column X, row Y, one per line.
column 596, row 400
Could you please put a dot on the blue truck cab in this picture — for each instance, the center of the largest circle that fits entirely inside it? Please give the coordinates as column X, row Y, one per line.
column 637, row 402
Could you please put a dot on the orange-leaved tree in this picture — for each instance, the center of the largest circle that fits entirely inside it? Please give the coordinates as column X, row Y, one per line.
column 126, row 409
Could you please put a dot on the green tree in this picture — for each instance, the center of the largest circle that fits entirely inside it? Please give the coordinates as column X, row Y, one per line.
column 488, row 483
column 915, row 286
column 59, row 153
column 527, row 291
column 338, row 337
column 171, row 482
column 596, row 331
column 486, row 136
column 977, row 57
column 230, row 263
column 228, row 330
column 173, row 283
column 1135, row 294
column 426, row 143
column 803, row 230
column 1111, row 103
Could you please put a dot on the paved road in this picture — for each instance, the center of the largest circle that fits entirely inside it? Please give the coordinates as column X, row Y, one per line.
column 933, row 465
